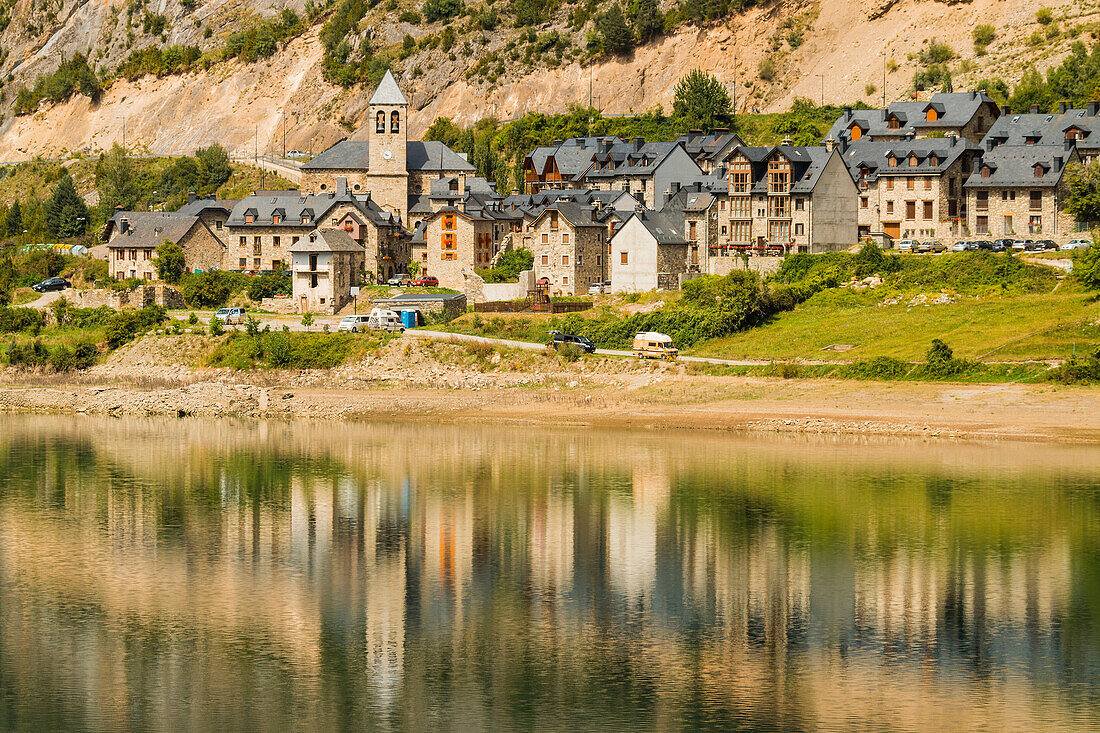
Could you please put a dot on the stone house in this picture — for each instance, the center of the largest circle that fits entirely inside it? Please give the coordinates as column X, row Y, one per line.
column 647, row 253
column 786, row 199
column 133, row 237
column 562, row 164
column 325, row 265
column 967, row 114
column 1018, row 190
column 1079, row 126
column 912, row 188
column 393, row 169
column 709, row 150
column 568, row 242
column 213, row 212
column 696, row 210
column 645, row 170
column 460, row 239
column 262, row 227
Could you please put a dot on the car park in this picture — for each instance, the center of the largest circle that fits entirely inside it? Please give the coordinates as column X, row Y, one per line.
column 960, row 246
column 51, row 283
column 1076, row 244
column 426, row 281
column 907, row 245
column 230, row 315
column 559, row 339
column 975, row 246
column 934, row 245
column 1000, row 245
column 353, row 324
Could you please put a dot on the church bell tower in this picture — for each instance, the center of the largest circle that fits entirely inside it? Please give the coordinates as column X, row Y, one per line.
column 388, row 142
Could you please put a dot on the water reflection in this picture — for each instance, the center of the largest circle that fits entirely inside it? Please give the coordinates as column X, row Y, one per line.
column 182, row 574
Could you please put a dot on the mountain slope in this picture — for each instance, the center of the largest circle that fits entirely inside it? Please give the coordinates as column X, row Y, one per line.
column 770, row 54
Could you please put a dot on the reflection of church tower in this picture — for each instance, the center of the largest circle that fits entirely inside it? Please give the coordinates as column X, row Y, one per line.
column 388, row 138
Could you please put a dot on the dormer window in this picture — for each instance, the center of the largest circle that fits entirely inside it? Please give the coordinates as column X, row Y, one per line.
column 1073, row 134
column 454, row 185
column 933, row 161
column 305, row 219
column 931, row 115
column 275, row 219
column 855, row 133
column 248, row 218
column 985, row 171
column 1038, row 171
column 380, row 122
column 893, row 123
column 893, row 161
column 913, row 161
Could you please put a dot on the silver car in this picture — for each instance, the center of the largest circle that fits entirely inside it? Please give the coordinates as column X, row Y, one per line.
column 230, row 315
column 353, row 324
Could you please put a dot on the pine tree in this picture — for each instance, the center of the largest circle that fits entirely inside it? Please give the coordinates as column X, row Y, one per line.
column 615, row 33
column 701, row 102
column 15, row 220
column 648, row 21
column 66, row 214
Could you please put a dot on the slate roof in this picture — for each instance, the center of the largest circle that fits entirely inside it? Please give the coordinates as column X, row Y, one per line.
column 1014, row 166
column 658, row 225
column 874, row 155
column 388, row 92
column 263, row 205
column 200, row 204
column 326, row 240
column 710, row 145
column 1049, row 129
column 807, row 164
column 954, row 109
column 635, row 157
column 572, row 156
column 420, row 155
column 149, row 228
column 441, row 187
column 579, row 215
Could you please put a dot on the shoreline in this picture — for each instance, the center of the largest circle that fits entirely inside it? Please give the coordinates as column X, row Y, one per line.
column 1034, row 413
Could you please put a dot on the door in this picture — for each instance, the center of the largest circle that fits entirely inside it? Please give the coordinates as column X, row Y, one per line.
column 892, row 230
column 302, row 308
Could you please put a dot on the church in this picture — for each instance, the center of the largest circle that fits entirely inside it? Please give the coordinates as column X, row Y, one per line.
column 395, row 171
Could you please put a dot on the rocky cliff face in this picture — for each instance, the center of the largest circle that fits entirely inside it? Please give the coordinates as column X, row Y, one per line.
column 770, row 54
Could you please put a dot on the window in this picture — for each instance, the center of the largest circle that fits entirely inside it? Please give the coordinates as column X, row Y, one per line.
column 889, row 207
column 723, row 230
column 275, row 219
column 448, row 240
column 243, row 263
column 981, row 200
column 740, row 206
column 277, row 265
column 565, row 260
column 798, row 229
column 1035, row 200
column 779, row 207
column 692, row 235
column 741, row 232
column 779, row 232
column 545, row 238
column 910, row 209
column 565, row 280
column 889, row 184
column 580, row 260
column 985, row 171
column 1038, row 171
column 913, row 162
column 779, row 176
column 248, row 218
column 928, row 211
column 565, row 237
column 739, row 177
column 546, row 259
column 799, row 204
column 218, row 224
column 256, row 263
column 599, row 260
column 908, row 184
column 294, row 240
column 863, row 202
column 931, row 115
column 622, row 258
column 1035, row 225
column 275, row 241
column 244, row 241
column 553, row 220
column 380, row 122
column 893, row 123
column 449, row 221
column 1006, row 224
column 255, row 241
column 395, row 121
column 892, row 162
column 928, row 184
column 982, row 224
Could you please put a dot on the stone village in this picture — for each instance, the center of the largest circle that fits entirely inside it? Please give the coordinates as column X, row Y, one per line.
column 629, row 215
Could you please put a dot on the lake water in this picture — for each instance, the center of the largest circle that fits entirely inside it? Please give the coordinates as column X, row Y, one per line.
column 180, row 574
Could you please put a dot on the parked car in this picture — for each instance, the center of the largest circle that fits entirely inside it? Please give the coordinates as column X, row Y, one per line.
column 595, row 288
column 559, row 339
column 353, row 324
column 383, row 319
column 51, row 283
column 401, row 279
column 907, row 245
column 426, row 281
column 1020, row 245
column 934, row 245
column 1045, row 244
column 230, row 315
column 981, row 244
column 1000, row 245
column 653, row 345
column 1077, row 244
column 960, row 246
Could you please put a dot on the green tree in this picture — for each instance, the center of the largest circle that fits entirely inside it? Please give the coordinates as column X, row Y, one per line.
column 214, row 168
column 1086, row 267
column 170, row 262
column 307, row 320
column 15, row 219
column 66, row 214
column 701, row 101
column 116, row 181
column 1083, row 190
column 7, row 280
column 616, row 36
column 648, row 21
column 440, row 9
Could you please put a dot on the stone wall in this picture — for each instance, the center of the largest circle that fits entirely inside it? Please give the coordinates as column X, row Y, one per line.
column 141, row 296
column 763, row 265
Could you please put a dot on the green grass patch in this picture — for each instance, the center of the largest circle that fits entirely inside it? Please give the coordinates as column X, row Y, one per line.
column 291, row 350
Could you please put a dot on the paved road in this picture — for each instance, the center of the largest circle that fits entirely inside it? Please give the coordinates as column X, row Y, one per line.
column 527, row 345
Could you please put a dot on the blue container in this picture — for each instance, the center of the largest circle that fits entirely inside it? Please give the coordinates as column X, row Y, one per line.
column 409, row 319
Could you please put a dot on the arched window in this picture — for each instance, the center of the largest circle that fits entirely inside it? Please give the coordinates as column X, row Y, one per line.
column 395, row 121
column 380, row 123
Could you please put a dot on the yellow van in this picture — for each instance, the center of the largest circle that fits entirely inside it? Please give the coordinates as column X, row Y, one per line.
column 652, row 345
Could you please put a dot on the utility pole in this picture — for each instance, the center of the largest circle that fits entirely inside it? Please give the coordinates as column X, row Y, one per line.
column 735, row 87
column 283, row 115
column 884, row 78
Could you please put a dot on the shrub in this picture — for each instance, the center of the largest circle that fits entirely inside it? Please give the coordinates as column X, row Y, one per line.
column 767, row 70
column 434, row 10
column 216, row 327
column 570, row 352
column 123, row 326
column 13, row 320
column 1044, row 16
column 480, row 349
column 983, row 35
column 882, row 367
column 936, row 53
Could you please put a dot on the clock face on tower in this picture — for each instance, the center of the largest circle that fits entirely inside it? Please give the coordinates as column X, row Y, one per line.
column 387, row 154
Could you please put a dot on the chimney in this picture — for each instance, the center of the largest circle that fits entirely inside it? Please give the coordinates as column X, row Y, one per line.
column 1058, row 163
column 953, row 137
column 1006, row 110
column 675, row 187
column 1069, row 144
column 830, row 143
column 191, row 196
column 341, row 185
column 787, row 141
column 556, row 143
column 1093, row 108
column 606, row 144
column 847, row 113
column 1062, row 108
column 843, row 143
column 639, row 142
column 124, row 226
column 720, row 131
column 990, row 143
column 1034, row 109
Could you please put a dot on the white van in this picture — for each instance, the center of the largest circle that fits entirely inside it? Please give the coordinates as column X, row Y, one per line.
column 383, row 319
column 653, row 345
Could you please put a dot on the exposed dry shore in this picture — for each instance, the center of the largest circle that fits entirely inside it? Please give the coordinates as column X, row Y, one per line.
column 444, row 382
